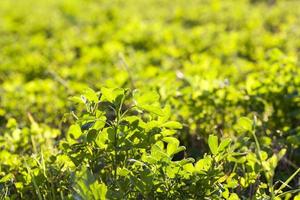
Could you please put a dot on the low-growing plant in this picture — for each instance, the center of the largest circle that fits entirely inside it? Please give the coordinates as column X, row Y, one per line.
column 123, row 145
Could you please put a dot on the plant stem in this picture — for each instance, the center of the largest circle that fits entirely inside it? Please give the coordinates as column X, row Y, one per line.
column 116, row 126
column 269, row 180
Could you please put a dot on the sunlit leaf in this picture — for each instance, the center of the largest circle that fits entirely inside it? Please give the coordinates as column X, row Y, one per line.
column 213, row 144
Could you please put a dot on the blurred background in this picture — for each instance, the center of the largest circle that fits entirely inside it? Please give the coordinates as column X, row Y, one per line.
column 211, row 60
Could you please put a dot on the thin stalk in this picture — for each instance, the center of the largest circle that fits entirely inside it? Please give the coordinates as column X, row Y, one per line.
column 37, row 190
column 116, row 127
column 270, row 181
column 116, row 151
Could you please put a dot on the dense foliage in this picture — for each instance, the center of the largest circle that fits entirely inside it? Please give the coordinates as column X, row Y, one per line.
column 156, row 99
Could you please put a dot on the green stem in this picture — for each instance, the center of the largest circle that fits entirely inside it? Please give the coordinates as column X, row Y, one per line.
column 269, row 180
column 116, row 126
column 116, row 151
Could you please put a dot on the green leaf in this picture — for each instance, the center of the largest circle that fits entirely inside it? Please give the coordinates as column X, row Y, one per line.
column 179, row 149
column 148, row 101
column 263, row 155
column 186, row 161
column 171, row 149
column 172, row 125
column 281, row 153
column 74, row 131
column 213, row 144
column 6, row 178
column 91, row 95
column 225, row 194
column 100, row 123
column 101, row 139
column 152, row 109
column 245, row 124
column 203, row 164
column 168, row 132
column 145, row 97
column 173, row 145
column 171, row 171
column 12, row 123
column 171, row 140
column 297, row 197
column 188, row 166
column 76, row 99
column 123, row 171
column 224, row 143
column 157, row 152
column 111, row 94
column 99, row 191
column 107, row 94
column 233, row 196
